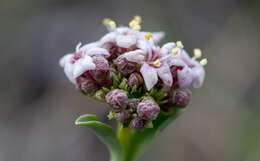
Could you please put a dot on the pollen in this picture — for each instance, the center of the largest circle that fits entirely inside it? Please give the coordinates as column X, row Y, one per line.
column 204, row 62
column 109, row 22
column 135, row 23
column 148, row 35
column 197, row 53
column 138, row 19
column 175, row 51
column 179, row 44
column 157, row 63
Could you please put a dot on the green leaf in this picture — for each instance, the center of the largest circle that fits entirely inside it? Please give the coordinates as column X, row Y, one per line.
column 105, row 133
column 135, row 142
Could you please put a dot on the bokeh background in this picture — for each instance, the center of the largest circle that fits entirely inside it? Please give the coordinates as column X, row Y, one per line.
column 38, row 105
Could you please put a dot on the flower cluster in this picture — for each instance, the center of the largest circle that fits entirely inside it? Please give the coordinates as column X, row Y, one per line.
column 129, row 70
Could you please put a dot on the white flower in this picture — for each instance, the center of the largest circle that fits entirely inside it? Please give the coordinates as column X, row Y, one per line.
column 152, row 66
column 193, row 72
column 81, row 61
column 125, row 37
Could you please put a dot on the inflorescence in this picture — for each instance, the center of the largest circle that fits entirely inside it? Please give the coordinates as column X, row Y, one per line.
column 127, row 69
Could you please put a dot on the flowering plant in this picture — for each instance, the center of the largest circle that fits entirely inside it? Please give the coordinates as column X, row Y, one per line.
column 145, row 86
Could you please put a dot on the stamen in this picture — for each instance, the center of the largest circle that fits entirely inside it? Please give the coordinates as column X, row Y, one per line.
column 135, row 23
column 179, row 44
column 109, row 22
column 138, row 19
column 157, row 63
column 197, row 53
column 136, row 27
column 204, row 62
column 148, row 35
column 175, row 51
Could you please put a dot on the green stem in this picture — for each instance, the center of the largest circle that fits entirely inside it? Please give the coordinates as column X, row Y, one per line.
column 124, row 134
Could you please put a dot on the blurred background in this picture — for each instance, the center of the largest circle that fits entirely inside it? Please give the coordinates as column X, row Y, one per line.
column 38, row 105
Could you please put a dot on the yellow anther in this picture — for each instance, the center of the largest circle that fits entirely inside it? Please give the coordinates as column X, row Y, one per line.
column 204, row 62
column 112, row 24
column 106, row 21
column 133, row 23
column 197, row 53
column 136, row 27
column 138, row 19
column 175, row 51
column 157, row 63
column 148, row 35
column 179, row 44
column 109, row 22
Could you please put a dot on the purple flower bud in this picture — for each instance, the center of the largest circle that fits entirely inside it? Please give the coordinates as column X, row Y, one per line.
column 117, row 99
column 133, row 103
column 135, row 79
column 86, row 85
column 102, row 72
column 124, row 66
column 148, row 109
column 180, row 97
column 123, row 116
column 138, row 123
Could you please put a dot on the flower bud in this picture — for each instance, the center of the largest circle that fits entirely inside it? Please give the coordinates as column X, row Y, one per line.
column 138, row 123
column 148, row 109
column 87, row 85
column 123, row 116
column 117, row 99
column 133, row 103
column 135, row 79
column 102, row 72
column 124, row 66
column 180, row 98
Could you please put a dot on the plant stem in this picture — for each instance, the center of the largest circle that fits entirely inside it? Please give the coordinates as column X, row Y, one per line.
column 124, row 134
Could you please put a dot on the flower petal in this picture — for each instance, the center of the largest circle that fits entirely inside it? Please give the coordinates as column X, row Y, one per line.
column 97, row 52
column 198, row 76
column 167, row 48
column 150, row 76
column 86, row 46
column 171, row 60
column 108, row 38
column 65, row 59
column 165, row 74
column 185, row 77
column 82, row 65
column 68, row 70
column 158, row 36
column 136, row 56
column 125, row 41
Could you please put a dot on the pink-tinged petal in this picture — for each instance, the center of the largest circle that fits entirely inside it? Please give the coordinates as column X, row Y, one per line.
column 142, row 44
column 125, row 41
column 86, row 46
column 136, row 56
column 172, row 60
column 65, row 59
column 68, row 70
column 185, row 77
column 164, row 73
column 82, row 65
column 150, row 76
column 108, row 38
column 167, row 48
column 158, row 36
column 198, row 76
column 97, row 52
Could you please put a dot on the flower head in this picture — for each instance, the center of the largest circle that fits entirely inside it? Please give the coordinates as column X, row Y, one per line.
column 127, row 69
